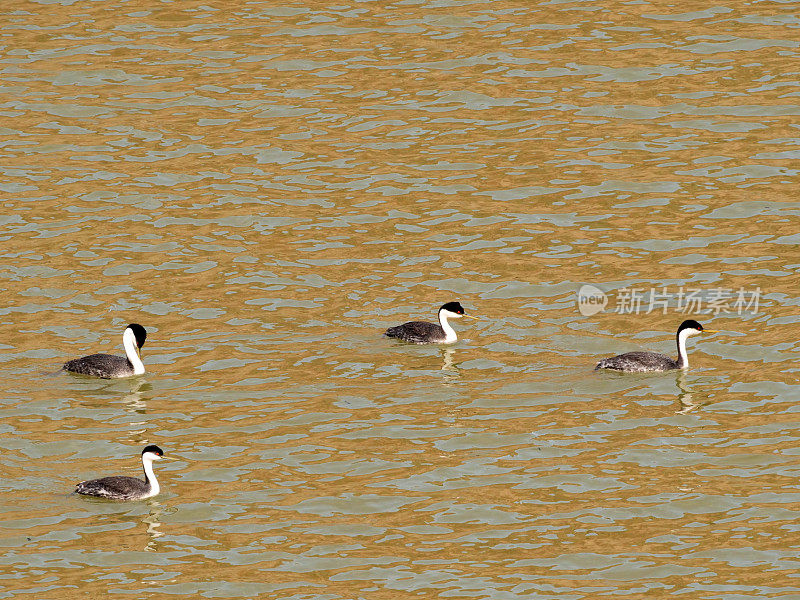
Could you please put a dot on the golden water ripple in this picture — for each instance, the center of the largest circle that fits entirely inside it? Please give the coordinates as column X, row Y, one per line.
column 268, row 187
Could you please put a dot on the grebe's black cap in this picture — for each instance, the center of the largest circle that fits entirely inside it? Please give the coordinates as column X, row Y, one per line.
column 690, row 324
column 139, row 333
column 453, row 307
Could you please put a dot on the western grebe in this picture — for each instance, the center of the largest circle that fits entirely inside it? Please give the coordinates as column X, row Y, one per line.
column 110, row 366
column 640, row 362
column 422, row 332
column 120, row 487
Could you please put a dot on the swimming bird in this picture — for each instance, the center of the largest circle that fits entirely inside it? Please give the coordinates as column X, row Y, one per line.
column 110, row 366
column 120, row 487
column 422, row 332
column 641, row 362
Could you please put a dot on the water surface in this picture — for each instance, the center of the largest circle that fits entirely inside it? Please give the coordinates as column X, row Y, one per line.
column 268, row 187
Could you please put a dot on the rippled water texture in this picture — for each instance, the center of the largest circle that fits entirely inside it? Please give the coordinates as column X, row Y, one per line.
column 267, row 186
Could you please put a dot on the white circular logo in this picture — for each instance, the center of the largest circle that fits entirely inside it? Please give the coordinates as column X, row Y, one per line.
column 591, row 300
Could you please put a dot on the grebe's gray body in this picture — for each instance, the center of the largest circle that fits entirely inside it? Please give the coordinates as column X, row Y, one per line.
column 110, row 366
column 643, row 362
column 126, row 488
column 422, row 332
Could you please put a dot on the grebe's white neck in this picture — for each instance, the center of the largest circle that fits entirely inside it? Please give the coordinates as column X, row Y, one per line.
column 683, row 357
column 149, row 475
column 449, row 333
column 132, row 351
